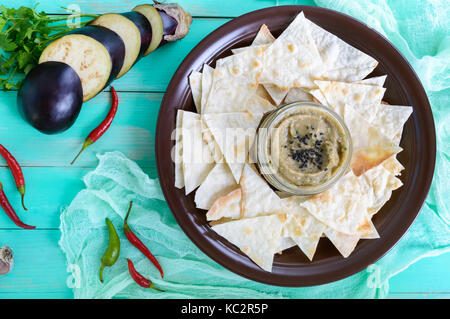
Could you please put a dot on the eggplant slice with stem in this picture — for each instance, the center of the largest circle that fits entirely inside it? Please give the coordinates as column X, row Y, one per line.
column 168, row 20
column 129, row 33
column 154, row 18
column 87, row 56
column 144, row 27
column 50, row 97
column 111, row 41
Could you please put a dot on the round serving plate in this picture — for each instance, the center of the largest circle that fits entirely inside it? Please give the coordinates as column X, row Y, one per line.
column 292, row 268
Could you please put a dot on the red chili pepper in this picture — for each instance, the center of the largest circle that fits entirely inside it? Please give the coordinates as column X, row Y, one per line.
column 103, row 127
column 138, row 243
column 16, row 171
column 139, row 279
column 10, row 211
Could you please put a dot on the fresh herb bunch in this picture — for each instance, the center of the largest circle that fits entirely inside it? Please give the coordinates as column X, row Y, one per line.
column 24, row 33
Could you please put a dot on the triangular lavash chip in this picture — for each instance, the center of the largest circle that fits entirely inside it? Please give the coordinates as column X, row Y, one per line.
column 247, row 63
column 276, row 93
column 303, row 228
column 361, row 97
column 390, row 120
column 207, row 79
column 345, row 74
column 259, row 237
column 320, row 98
column 298, row 95
column 218, row 183
column 381, row 181
column 197, row 159
column 227, row 206
column 336, row 55
column 376, row 80
column 370, row 147
column 292, row 59
column 234, row 133
column 286, row 243
column 264, row 36
column 177, row 156
column 195, row 82
column 214, row 148
column 228, row 92
column 343, row 207
column 393, row 165
column 257, row 196
column 344, row 243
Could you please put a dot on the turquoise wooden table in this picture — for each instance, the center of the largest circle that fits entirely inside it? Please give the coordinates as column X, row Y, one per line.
column 40, row 268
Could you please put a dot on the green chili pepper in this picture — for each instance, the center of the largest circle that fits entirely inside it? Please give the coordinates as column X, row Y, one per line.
column 112, row 253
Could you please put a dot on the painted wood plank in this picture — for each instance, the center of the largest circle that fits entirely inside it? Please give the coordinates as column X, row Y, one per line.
column 208, row 8
column 48, row 191
column 41, row 271
column 431, row 274
column 40, row 266
column 132, row 132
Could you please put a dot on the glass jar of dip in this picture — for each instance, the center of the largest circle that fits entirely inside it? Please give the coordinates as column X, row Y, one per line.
column 303, row 148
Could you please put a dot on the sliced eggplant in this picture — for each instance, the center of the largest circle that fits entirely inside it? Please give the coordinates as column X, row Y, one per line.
column 170, row 25
column 154, row 18
column 145, row 29
column 50, row 97
column 87, row 56
column 129, row 33
column 111, row 41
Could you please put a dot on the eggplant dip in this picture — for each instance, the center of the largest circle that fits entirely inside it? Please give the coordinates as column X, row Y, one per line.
column 308, row 147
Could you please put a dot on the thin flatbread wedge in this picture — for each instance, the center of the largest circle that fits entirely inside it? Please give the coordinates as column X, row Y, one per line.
column 286, row 243
column 298, row 95
column 393, row 165
column 361, row 97
column 214, row 148
column 336, row 54
column 207, row 79
column 390, row 120
column 227, row 206
column 264, row 36
column 370, row 147
column 303, row 228
column 218, row 183
column 344, row 243
column 376, row 80
column 381, row 181
column 343, row 207
column 234, row 133
column 276, row 93
column 197, row 159
column 257, row 196
column 345, row 74
column 229, row 92
column 259, row 237
column 247, row 63
column 263, row 39
column 292, row 59
column 195, row 82
column 177, row 156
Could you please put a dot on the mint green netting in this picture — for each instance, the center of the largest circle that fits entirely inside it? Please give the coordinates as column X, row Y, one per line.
column 420, row 30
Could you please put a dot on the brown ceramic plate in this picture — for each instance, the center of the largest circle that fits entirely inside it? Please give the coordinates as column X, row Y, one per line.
column 292, row 268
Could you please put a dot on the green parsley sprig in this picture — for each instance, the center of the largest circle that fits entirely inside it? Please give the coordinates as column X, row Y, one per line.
column 24, row 33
